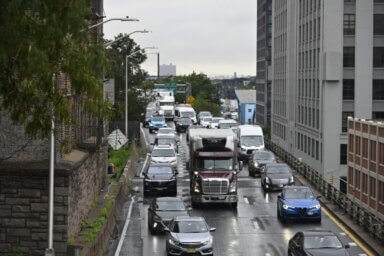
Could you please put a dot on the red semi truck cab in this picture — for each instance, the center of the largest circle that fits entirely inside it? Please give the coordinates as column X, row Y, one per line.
column 213, row 166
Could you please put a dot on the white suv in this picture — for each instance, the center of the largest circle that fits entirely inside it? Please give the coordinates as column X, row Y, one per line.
column 164, row 154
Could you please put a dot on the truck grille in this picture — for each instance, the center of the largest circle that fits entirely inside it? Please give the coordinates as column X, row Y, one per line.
column 215, row 187
column 167, row 112
column 249, row 151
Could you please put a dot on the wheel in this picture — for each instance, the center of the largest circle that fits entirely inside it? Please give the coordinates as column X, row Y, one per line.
column 234, row 205
column 282, row 219
column 195, row 205
column 318, row 220
column 278, row 213
column 150, row 131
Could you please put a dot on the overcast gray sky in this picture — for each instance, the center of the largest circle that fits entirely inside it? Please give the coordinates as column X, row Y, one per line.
column 217, row 37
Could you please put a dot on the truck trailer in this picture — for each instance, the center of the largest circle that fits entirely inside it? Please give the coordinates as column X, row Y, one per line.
column 213, row 166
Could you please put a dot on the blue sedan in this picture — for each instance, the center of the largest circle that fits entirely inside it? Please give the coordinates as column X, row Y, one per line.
column 156, row 123
column 298, row 203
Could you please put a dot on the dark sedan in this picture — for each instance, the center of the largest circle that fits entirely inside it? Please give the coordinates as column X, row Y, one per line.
column 162, row 210
column 258, row 160
column 276, row 176
column 160, row 180
column 182, row 124
column 316, row 243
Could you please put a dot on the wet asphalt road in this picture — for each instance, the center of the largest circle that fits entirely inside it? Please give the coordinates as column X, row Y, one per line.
column 252, row 229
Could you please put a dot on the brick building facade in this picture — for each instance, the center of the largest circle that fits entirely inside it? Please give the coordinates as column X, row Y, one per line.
column 366, row 164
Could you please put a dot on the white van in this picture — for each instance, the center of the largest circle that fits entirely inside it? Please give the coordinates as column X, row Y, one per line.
column 250, row 138
column 185, row 111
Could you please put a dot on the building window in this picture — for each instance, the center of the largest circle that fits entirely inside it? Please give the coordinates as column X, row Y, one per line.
column 365, row 148
column 343, row 153
column 357, row 179
column 365, row 183
column 372, row 187
column 349, row 24
column 381, row 153
column 378, row 1
column 378, row 89
column 349, row 57
column 344, row 124
column 350, row 143
column 378, row 57
column 357, row 141
column 377, row 115
column 348, row 89
column 317, row 150
column 378, row 24
column 373, row 151
column 350, row 176
column 381, row 192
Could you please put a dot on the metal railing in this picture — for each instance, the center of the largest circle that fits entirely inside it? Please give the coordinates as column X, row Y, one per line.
column 355, row 210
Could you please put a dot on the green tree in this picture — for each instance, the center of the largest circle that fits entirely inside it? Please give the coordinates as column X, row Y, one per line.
column 39, row 40
column 137, row 85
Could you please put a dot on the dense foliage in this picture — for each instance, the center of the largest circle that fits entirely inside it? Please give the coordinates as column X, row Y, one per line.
column 40, row 39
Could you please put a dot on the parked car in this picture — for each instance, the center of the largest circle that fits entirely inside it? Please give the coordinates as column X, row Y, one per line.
column 203, row 114
column 275, row 176
column 167, row 139
column 205, row 121
column 189, row 235
column 166, row 130
column 190, row 128
column 163, row 209
column 316, row 243
column 164, row 154
column 258, row 160
column 156, row 123
column 182, row 124
column 298, row 203
column 215, row 122
column 160, row 179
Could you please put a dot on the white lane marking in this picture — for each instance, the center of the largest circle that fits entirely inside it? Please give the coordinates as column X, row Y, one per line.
column 343, row 234
column 267, row 254
column 109, row 186
column 127, row 220
column 144, row 165
column 362, row 254
column 145, row 137
column 352, row 244
column 246, row 200
column 181, row 137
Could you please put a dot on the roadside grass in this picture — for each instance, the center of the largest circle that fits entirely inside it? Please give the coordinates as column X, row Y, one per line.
column 119, row 159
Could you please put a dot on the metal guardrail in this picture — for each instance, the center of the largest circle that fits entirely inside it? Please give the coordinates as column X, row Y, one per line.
column 361, row 216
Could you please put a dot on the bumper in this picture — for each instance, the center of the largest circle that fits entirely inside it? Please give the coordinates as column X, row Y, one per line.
column 214, row 198
column 181, row 250
column 243, row 155
column 254, row 170
column 295, row 214
column 277, row 187
column 173, row 164
column 182, row 128
column 156, row 128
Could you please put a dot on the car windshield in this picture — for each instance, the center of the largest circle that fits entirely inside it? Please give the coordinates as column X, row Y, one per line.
column 158, row 119
column 215, row 164
column 249, row 141
column 185, row 120
column 207, row 119
column 319, row 242
column 298, row 193
column 263, row 156
column 190, row 227
column 278, row 170
column 202, row 114
column 170, row 206
column 166, row 103
column 159, row 170
column 187, row 114
column 166, row 131
column 216, row 120
column 163, row 152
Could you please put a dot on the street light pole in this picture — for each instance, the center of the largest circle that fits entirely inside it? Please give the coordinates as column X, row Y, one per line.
column 112, row 19
column 126, row 86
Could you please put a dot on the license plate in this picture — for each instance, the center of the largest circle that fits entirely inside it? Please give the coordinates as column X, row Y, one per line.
column 191, row 250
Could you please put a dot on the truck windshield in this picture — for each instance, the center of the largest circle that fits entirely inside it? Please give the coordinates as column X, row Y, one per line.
column 166, row 103
column 215, row 164
column 187, row 114
column 250, row 141
column 158, row 119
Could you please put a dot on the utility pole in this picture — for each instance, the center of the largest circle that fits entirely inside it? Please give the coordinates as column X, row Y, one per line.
column 158, row 66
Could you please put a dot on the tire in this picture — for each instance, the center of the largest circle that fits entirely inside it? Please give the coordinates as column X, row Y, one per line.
column 278, row 214
column 195, row 205
column 150, row 131
column 234, row 205
column 318, row 220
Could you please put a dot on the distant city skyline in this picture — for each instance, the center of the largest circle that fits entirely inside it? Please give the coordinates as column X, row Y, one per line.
column 195, row 35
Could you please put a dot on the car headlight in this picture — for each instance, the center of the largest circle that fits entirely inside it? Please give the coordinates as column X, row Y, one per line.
column 291, row 180
column 165, row 125
column 267, row 180
column 285, row 206
column 318, row 206
column 233, row 187
column 173, row 242
column 256, row 164
column 209, row 241
column 196, row 187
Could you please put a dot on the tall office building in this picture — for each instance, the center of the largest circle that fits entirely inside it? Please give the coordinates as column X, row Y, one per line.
column 264, row 46
column 327, row 64
column 168, row 70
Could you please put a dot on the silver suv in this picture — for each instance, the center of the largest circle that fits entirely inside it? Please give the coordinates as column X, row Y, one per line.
column 164, row 154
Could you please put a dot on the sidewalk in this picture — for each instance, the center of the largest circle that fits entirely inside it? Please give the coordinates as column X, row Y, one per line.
column 373, row 245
